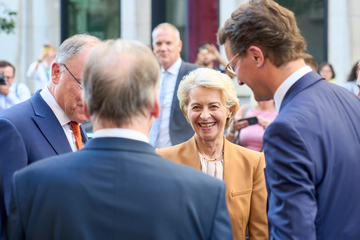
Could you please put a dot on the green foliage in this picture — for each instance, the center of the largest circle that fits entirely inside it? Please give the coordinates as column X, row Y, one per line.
column 7, row 20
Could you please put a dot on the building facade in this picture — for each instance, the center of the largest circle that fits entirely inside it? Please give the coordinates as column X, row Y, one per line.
column 330, row 27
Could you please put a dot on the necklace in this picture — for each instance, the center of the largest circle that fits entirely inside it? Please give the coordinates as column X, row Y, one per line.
column 214, row 158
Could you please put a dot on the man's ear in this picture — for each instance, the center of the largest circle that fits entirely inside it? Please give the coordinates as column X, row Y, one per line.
column 155, row 112
column 180, row 43
column 55, row 72
column 257, row 55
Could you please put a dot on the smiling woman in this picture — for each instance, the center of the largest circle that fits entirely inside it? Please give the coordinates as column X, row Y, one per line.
column 208, row 101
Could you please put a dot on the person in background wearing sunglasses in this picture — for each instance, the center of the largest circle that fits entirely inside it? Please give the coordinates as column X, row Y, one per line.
column 48, row 123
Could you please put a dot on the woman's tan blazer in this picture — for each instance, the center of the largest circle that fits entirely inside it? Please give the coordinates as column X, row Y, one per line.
column 246, row 194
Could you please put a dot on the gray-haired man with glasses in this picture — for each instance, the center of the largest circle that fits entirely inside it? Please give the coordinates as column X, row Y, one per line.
column 48, row 123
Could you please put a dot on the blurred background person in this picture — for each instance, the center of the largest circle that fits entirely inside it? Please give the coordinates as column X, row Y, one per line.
column 251, row 136
column 40, row 70
column 351, row 81
column 207, row 54
column 326, row 70
column 171, row 127
column 310, row 61
column 208, row 101
column 11, row 93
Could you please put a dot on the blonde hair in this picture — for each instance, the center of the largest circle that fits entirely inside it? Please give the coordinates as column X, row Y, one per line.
column 208, row 78
column 120, row 81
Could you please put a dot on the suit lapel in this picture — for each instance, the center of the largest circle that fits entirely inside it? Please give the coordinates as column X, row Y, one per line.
column 49, row 125
column 84, row 137
column 303, row 83
column 190, row 154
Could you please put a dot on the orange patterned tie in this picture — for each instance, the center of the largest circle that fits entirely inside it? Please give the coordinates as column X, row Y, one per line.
column 77, row 134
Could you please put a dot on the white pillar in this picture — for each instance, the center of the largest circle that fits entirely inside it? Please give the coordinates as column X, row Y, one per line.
column 136, row 20
column 339, row 39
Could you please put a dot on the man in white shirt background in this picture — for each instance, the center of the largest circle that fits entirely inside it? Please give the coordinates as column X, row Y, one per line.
column 171, row 127
column 48, row 123
column 11, row 93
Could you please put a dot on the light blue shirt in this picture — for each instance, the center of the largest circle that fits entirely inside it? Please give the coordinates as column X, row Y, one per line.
column 18, row 93
column 164, row 135
column 286, row 85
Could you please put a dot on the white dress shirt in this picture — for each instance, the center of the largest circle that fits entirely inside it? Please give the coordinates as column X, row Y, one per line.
column 60, row 115
column 121, row 133
column 164, row 135
column 286, row 85
column 18, row 93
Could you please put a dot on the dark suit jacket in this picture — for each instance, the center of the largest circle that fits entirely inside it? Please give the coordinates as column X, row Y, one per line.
column 29, row 132
column 312, row 152
column 116, row 188
column 180, row 130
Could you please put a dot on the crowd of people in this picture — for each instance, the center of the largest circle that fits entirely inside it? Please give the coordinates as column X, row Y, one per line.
column 173, row 155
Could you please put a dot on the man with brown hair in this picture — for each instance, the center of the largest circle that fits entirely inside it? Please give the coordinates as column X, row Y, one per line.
column 311, row 149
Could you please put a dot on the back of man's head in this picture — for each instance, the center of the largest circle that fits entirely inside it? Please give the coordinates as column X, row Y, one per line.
column 120, row 82
column 267, row 25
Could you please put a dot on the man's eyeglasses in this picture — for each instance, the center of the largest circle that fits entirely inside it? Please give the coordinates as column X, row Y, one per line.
column 72, row 75
column 229, row 70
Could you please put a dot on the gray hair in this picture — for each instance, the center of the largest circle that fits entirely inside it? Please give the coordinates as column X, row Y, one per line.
column 167, row 26
column 120, row 81
column 208, row 78
column 73, row 46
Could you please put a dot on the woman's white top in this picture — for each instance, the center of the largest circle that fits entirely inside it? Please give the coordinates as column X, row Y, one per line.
column 214, row 168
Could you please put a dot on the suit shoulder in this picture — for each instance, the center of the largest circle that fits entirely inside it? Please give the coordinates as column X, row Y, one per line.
column 17, row 110
column 190, row 66
column 169, row 151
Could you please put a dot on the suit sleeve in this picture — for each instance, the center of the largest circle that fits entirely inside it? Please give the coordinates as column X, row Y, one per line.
column 221, row 226
column 13, row 154
column 290, row 174
column 258, row 224
column 15, row 228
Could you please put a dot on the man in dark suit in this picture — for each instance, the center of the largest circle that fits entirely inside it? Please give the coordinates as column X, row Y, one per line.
column 39, row 127
column 171, row 128
column 312, row 148
column 117, row 187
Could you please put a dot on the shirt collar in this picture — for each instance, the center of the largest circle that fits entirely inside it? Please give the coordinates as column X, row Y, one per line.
column 286, row 85
column 121, row 133
column 50, row 100
column 174, row 69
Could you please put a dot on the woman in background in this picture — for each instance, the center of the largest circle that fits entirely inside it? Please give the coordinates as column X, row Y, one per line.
column 351, row 81
column 251, row 136
column 40, row 70
column 209, row 102
column 327, row 72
